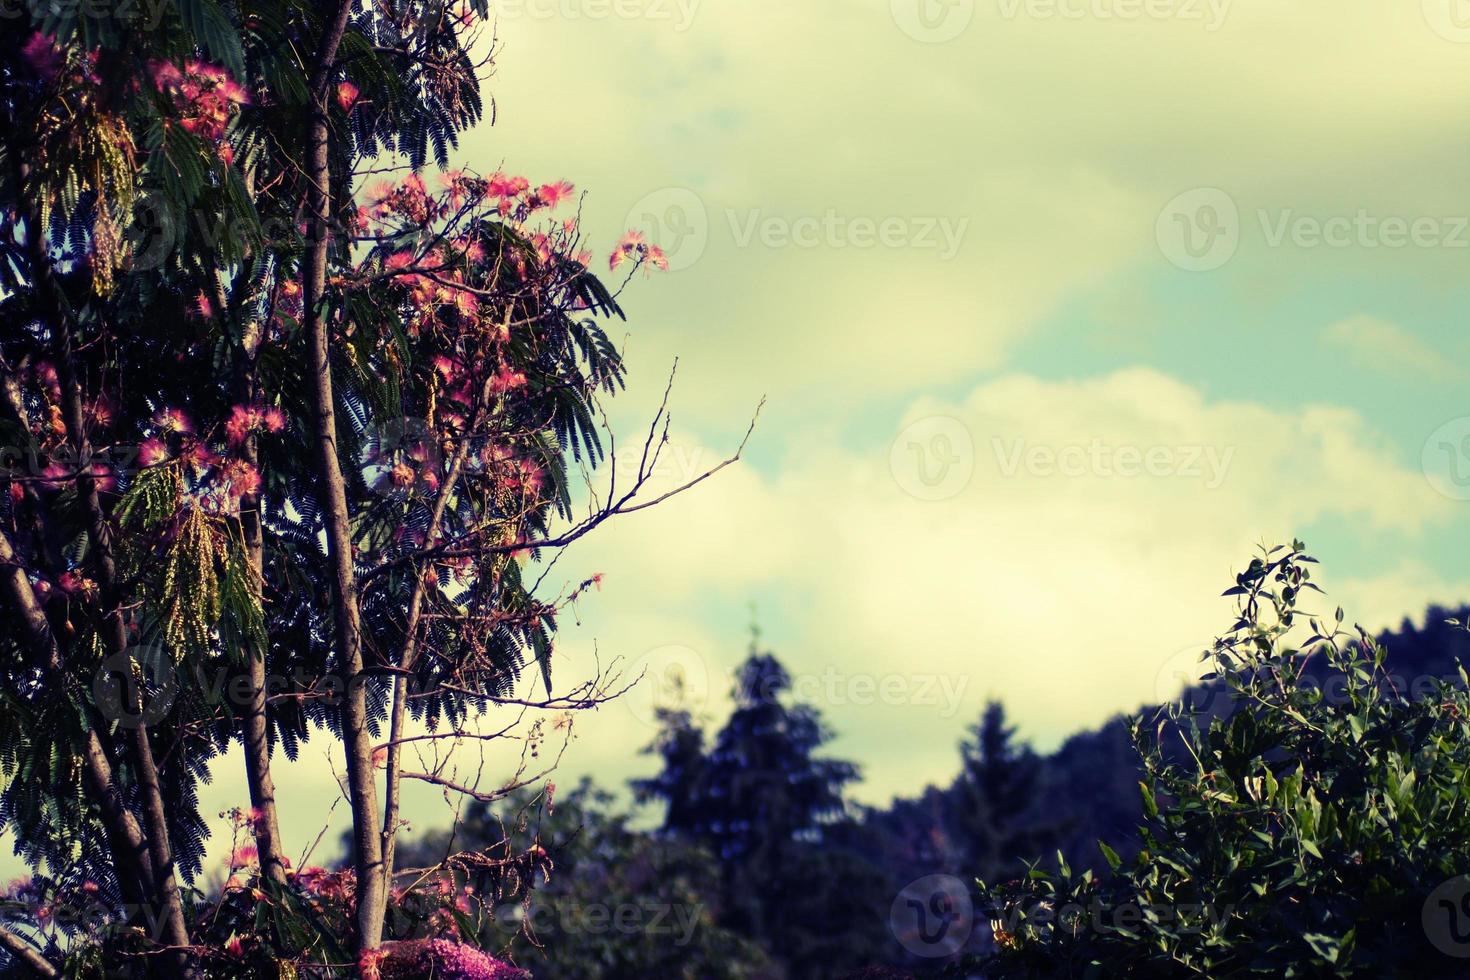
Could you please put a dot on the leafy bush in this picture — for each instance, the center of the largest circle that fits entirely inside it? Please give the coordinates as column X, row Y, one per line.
column 1317, row 830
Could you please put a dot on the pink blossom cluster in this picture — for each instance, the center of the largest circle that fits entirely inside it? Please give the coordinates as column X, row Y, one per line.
column 246, row 420
column 225, row 478
column 43, row 55
column 205, row 94
column 442, row 958
column 635, row 247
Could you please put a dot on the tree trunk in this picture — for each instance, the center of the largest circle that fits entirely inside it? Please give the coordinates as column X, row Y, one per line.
column 255, row 724
column 361, row 782
column 165, row 891
column 150, row 791
column 130, row 859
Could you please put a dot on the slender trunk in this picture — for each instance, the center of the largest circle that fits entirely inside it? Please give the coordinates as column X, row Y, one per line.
column 115, row 635
column 130, row 857
column 42, row 539
column 400, row 680
column 255, row 724
column 361, row 782
column 24, row 952
column 166, row 889
column 409, row 654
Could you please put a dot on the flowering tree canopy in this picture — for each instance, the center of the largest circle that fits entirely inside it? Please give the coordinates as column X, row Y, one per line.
column 284, row 397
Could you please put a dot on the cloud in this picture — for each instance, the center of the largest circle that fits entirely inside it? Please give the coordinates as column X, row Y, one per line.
column 1383, row 346
column 1084, row 544
column 1072, row 566
column 1025, row 127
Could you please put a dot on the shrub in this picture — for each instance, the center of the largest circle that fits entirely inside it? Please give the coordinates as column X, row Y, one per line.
column 1315, row 830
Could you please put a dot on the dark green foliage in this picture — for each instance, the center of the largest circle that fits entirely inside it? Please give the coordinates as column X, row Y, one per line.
column 773, row 813
column 1304, row 836
column 992, row 816
column 618, row 904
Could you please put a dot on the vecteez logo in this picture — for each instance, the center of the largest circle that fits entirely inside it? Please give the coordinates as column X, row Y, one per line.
column 932, row 916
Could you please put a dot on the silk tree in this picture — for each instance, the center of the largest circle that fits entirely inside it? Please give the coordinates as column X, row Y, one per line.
column 285, row 398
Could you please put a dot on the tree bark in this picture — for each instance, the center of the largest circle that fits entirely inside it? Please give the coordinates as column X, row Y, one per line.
column 23, row 951
column 361, row 782
column 115, row 634
column 125, row 838
column 165, row 890
column 255, row 724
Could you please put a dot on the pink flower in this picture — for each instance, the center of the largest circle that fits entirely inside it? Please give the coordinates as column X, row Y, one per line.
column 634, row 245
column 243, row 479
column 73, row 583
column 551, row 195
column 104, row 477
column 444, row 959
column 506, row 380
column 507, row 187
column 473, row 251
column 467, row 304
column 204, row 95
column 44, row 56
column 55, row 476
column 152, row 452
column 166, row 75
column 629, row 245
column 243, row 421
column 47, row 377
column 173, row 420
column 243, row 856
column 347, row 95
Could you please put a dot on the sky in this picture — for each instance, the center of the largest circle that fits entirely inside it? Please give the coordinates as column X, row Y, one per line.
column 1058, row 308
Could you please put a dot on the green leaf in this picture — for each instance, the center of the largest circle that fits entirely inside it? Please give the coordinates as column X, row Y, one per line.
column 215, row 33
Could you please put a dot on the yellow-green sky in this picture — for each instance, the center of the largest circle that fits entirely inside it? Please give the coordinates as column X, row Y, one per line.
column 1019, row 429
